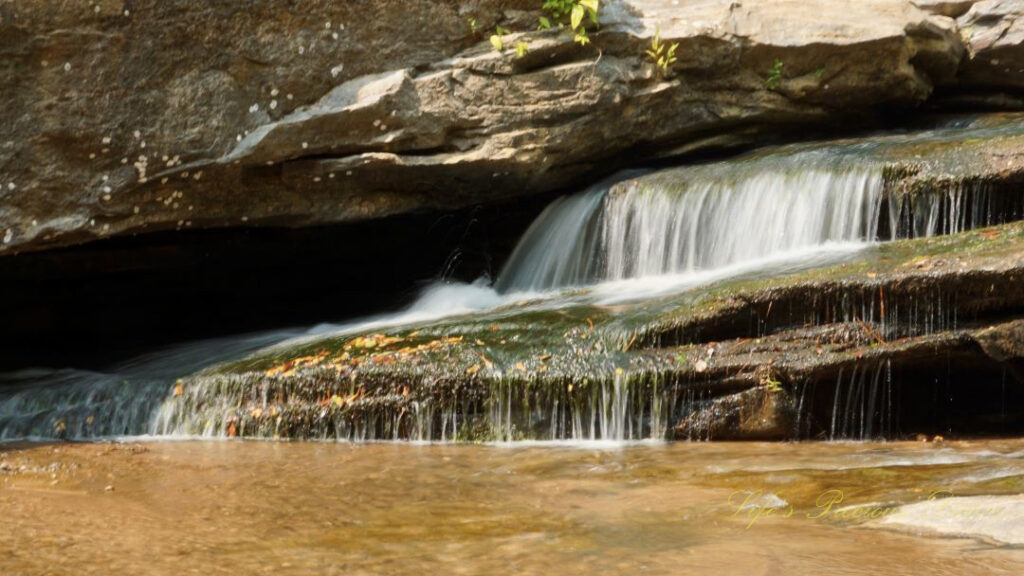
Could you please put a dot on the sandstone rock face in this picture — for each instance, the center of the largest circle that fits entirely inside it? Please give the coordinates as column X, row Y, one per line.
column 951, row 8
column 993, row 31
column 130, row 117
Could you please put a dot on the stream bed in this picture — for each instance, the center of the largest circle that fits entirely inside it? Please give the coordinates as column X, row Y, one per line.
column 681, row 508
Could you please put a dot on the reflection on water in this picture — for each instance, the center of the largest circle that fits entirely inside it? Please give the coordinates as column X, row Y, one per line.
column 285, row 508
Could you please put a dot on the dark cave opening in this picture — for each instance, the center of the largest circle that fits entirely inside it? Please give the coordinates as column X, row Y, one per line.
column 91, row 305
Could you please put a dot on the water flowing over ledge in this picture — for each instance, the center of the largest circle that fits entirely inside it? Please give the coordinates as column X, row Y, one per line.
column 710, row 217
column 715, row 217
column 656, row 240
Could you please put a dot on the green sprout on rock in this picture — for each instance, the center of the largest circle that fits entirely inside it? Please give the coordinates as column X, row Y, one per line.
column 663, row 56
column 774, row 78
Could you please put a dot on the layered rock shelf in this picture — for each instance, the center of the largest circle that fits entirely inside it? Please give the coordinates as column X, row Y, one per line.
column 912, row 333
column 336, row 112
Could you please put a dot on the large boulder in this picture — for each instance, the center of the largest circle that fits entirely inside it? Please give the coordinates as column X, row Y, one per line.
column 123, row 118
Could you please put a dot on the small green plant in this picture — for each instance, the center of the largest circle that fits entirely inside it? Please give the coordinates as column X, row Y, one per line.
column 580, row 37
column 571, row 13
column 819, row 73
column 576, row 11
column 496, row 40
column 662, row 56
column 774, row 78
column 472, row 25
column 770, row 383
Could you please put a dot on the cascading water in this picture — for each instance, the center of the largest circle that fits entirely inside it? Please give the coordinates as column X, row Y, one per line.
column 686, row 222
column 720, row 215
column 695, row 219
column 120, row 401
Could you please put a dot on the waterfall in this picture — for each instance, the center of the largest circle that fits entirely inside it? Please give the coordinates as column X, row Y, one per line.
column 120, row 401
column 698, row 223
column 77, row 404
column 616, row 409
column 693, row 219
column 710, row 217
column 556, row 249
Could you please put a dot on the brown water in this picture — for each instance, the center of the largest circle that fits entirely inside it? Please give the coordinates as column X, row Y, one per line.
column 253, row 508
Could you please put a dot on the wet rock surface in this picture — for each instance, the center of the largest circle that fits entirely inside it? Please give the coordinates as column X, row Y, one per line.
column 872, row 347
column 998, row 519
column 157, row 116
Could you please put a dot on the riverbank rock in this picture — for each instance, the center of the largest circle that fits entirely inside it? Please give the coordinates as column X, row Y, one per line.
column 121, row 119
column 998, row 519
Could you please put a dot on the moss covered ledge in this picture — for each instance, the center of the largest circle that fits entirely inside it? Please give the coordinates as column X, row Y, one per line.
column 668, row 367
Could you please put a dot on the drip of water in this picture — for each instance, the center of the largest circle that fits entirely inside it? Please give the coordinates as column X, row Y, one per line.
column 616, row 409
column 862, row 405
column 964, row 206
